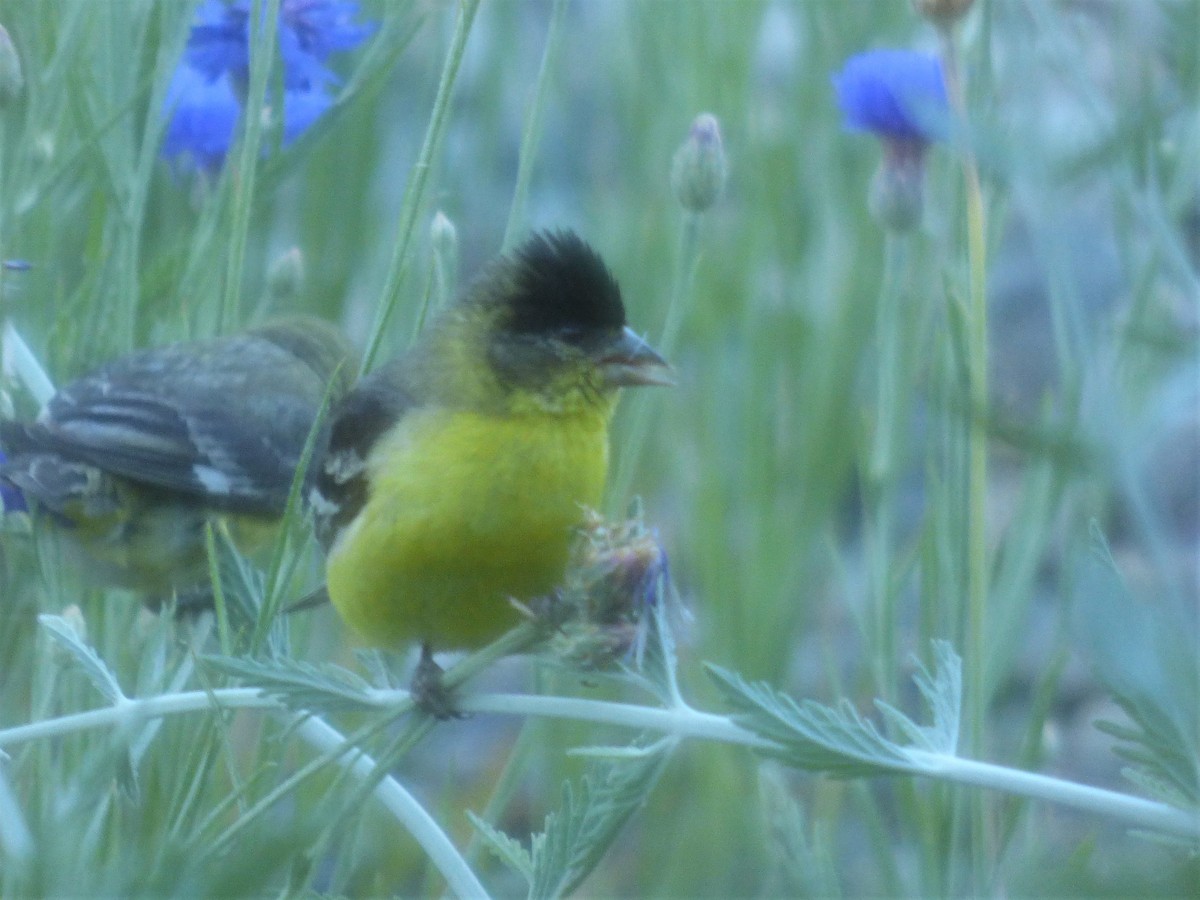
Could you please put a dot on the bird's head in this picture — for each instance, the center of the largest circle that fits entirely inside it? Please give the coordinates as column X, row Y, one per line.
column 553, row 328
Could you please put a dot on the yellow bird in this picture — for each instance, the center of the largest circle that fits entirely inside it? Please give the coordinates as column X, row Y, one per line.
column 127, row 463
column 457, row 474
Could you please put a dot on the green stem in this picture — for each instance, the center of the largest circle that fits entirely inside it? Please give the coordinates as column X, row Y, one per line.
column 263, row 29
column 17, row 359
column 530, row 739
column 16, row 840
column 414, row 194
column 401, row 804
column 678, row 721
column 883, row 465
column 127, row 712
column 533, row 125
column 639, row 412
column 977, row 362
column 512, row 642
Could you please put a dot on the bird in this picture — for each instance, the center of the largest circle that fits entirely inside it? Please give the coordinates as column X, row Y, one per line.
column 457, row 474
column 126, row 464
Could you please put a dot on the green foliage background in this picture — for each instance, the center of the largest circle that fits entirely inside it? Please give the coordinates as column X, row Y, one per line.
column 752, row 469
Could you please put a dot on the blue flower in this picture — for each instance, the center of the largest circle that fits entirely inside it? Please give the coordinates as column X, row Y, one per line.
column 204, row 100
column 204, row 118
column 895, row 94
column 220, row 40
column 11, row 498
column 321, row 27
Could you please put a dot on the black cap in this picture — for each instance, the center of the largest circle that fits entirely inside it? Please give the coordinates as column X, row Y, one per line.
column 558, row 284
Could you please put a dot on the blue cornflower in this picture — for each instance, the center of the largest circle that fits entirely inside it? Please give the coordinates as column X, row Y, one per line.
column 309, row 31
column 896, row 94
column 11, row 498
column 900, row 97
column 321, row 27
column 205, row 97
column 204, row 117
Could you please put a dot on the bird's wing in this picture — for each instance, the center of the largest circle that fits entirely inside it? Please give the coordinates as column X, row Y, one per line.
column 374, row 407
column 207, row 431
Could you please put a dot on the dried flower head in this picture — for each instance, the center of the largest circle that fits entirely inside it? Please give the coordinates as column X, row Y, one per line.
column 619, row 572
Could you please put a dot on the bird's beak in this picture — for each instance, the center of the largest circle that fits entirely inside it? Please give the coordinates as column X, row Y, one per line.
column 630, row 362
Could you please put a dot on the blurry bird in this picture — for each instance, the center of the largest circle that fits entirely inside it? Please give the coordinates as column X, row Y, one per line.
column 127, row 463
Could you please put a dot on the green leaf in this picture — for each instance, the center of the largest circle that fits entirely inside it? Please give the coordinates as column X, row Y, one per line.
column 942, row 692
column 1144, row 654
column 506, row 849
column 300, row 685
column 96, row 669
column 577, row 835
column 836, row 740
column 801, row 864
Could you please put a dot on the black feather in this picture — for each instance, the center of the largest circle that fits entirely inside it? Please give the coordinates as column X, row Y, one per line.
column 561, row 285
column 357, row 423
column 199, row 420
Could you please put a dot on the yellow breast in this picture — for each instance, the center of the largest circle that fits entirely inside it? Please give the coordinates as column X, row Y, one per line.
column 465, row 510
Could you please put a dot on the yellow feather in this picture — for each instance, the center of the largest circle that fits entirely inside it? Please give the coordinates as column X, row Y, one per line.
column 466, row 510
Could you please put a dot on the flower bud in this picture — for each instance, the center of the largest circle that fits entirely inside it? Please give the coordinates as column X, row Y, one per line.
column 699, row 170
column 11, row 80
column 896, row 198
column 443, row 237
column 285, row 277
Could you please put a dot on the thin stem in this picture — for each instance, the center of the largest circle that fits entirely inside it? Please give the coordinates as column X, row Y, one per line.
column 264, row 22
column 136, row 710
column 16, row 840
column 533, row 125
column 681, row 721
column 415, row 192
column 293, row 780
column 685, row 280
column 17, row 359
column 639, row 412
column 530, row 739
column 511, row 643
column 687, row 722
column 401, row 804
column 678, row 721
column 977, row 363
column 883, row 463
column 1135, row 811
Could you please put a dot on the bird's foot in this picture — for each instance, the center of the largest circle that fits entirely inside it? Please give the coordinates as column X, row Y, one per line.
column 429, row 689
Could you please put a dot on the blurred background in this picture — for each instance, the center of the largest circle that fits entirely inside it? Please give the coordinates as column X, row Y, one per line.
column 1083, row 115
